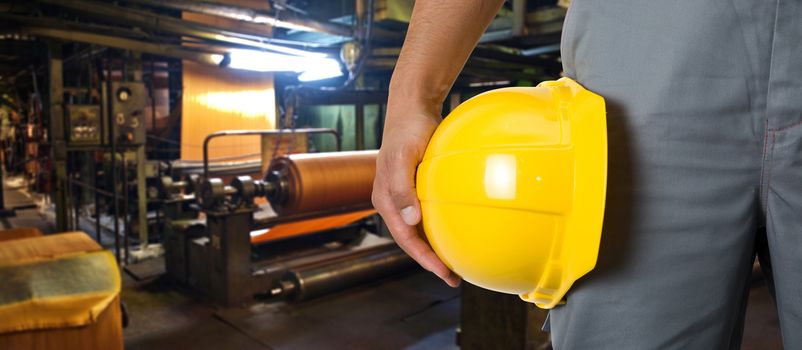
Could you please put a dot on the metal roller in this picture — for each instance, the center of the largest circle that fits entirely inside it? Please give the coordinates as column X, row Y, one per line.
column 213, row 192
column 245, row 190
column 170, row 187
column 304, row 183
column 314, row 280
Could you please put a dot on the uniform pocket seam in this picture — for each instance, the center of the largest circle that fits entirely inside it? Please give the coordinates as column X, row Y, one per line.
column 786, row 128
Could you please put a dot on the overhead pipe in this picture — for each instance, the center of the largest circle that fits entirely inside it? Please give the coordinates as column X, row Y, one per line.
column 279, row 132
column 176, row 26
column 252, row 16
column 175, row 51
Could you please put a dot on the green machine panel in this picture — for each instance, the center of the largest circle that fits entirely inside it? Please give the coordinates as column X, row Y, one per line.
column 84, row 125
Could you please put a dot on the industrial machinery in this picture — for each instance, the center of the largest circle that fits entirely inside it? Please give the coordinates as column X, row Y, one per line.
column 105, row 134
column 87, row 126
column 315, row 233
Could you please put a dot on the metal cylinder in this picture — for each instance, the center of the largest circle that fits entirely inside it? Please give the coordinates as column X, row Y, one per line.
column 311, row 281
column 305, row 183
column 213, row 192
column 244, row 190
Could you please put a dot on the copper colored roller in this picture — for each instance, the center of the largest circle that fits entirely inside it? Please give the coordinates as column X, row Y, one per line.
column 305, row 183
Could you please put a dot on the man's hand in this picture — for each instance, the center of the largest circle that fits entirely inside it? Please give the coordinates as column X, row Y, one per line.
column 394, row 188
column 440, row 38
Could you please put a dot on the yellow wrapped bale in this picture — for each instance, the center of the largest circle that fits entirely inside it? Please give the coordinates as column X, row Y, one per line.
column 19, row 233
column 59, row 292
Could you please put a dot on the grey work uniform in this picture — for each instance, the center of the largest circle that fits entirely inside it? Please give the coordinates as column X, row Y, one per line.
column 704, row 103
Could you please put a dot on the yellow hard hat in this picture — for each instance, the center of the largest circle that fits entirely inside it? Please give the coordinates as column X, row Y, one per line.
column 512, row 189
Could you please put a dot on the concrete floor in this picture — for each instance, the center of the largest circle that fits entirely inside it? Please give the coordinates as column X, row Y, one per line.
column 163, row 318
column 15, row 195
column 411, row 312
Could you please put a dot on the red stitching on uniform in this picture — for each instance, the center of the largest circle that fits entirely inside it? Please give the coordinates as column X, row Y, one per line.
column 784, row 128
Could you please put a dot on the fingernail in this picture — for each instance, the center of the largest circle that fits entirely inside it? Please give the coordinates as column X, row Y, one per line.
column 453, row 280
column 408, row 215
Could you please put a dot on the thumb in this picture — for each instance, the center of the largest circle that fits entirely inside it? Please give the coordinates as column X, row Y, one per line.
column 402, row 188
column 411, row 214
column 406, row 201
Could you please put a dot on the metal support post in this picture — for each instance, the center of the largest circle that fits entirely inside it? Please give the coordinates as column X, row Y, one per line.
column 490, row 320
column 126, row 216
column 59, row 146
column 96, row 179
column 113, row 154
column 360, row 126
column 230, row 276
column 142, row 199
column 518, row 17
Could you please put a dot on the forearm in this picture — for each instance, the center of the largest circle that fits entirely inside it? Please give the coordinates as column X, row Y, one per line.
column 441, row 36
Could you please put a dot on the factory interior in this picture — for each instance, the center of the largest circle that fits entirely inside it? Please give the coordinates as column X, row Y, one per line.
column 197, row 175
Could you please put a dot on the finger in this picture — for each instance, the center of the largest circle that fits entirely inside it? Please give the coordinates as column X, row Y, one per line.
column 408, row 239
column 416, row 247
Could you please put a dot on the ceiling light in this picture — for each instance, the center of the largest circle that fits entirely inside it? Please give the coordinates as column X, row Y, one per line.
column 310, row 67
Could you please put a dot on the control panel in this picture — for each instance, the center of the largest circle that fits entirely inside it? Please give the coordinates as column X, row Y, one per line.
column 128, row 112
column 84, row 124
